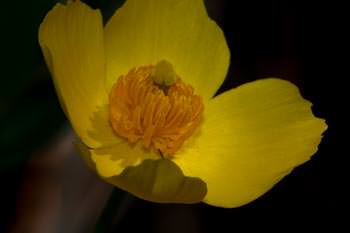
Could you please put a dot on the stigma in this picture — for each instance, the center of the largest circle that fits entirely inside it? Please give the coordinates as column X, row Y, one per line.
column 152, row 105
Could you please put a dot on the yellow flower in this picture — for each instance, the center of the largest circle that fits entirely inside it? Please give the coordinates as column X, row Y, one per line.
column 139, row 94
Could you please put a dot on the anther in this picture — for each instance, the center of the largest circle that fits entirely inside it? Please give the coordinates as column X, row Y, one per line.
column 140, row 109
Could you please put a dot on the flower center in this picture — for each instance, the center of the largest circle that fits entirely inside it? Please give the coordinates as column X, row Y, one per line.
column 151, row 104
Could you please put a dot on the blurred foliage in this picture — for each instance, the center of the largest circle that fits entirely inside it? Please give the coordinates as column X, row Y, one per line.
column 29, row 110
column 114, row 211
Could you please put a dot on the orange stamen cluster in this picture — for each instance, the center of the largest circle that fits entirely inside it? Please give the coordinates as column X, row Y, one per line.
column 162, row 118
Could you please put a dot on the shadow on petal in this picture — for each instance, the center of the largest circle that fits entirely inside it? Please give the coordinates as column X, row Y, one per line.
column 101, row 131
column 158, row 180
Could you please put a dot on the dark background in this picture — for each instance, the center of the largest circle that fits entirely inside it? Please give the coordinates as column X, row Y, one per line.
column 293, row 40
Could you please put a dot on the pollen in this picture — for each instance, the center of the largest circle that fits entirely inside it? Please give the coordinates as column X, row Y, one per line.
column 161, row 117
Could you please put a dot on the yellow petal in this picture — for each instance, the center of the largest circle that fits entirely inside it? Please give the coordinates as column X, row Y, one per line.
column 71, row 37
column 111, row 161
column 179, row 31
column 158, row 180
column 252, row 136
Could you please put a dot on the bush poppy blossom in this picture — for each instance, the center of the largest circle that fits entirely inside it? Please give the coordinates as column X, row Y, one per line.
column 139, row 94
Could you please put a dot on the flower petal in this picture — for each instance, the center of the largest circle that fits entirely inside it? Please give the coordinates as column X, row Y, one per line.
column 158, row 180
column 71, row 37
column 111, row 161
column 252, row 136
column 180, row 31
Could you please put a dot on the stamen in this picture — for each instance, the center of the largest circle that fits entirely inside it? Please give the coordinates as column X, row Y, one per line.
column 140, row 109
